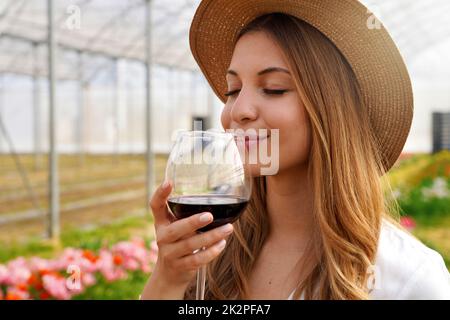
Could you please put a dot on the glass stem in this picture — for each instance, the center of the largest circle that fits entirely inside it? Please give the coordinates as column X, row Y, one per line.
column 201, row 280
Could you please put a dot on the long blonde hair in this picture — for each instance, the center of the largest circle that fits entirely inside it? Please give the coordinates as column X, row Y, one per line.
column 345, row 166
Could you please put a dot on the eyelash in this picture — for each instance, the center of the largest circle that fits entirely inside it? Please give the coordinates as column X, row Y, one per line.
column 266, row 91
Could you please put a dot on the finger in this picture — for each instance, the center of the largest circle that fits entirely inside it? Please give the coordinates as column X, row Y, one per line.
column 188, row 246
column 188, row 235
column 180, row 228
column 201, row 258
column 158, row 204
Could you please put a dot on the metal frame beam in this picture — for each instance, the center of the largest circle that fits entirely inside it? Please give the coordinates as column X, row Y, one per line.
column 53, row 230
column 37, row 140
column 148, row 102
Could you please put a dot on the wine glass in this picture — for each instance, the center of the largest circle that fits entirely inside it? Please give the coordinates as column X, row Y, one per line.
column 208, row 174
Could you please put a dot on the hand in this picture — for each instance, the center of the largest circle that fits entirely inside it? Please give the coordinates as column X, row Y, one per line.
column 177, row 240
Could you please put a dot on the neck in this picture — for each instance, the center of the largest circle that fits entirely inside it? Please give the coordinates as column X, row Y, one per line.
column 289, row 206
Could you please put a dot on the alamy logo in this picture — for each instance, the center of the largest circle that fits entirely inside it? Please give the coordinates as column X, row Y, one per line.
column 253, row 146
column 73, row 282
column 373, row 278
column 373, row 21
column 73, row 21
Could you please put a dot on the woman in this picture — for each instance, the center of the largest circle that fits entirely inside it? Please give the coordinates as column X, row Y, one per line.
column 320, row 228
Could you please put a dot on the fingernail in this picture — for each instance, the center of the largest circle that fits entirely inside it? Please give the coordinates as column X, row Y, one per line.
column 221, row 244
column 165, row 185
column 226, row 228
column 205, row 217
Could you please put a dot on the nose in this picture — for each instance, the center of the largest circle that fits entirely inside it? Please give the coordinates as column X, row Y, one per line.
column 243, row 109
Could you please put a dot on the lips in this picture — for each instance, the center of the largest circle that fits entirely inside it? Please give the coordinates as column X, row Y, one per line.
column 255, row 138
column 251, row 141
column 250, row 137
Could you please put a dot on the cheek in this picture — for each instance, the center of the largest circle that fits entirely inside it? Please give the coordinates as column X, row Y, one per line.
column 295, row 146
column 295, row 137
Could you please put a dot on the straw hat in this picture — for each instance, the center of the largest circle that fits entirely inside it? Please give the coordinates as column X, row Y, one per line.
column 371, row 52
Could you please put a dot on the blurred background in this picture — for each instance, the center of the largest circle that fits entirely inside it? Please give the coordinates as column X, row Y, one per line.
column 91, row 93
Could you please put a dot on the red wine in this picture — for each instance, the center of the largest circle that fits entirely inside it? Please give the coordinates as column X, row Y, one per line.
column 225, row 209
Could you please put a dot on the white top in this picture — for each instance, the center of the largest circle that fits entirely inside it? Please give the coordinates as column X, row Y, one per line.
column 406, row 269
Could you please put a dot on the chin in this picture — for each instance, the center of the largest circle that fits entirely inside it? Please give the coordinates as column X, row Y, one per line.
column 257, row 170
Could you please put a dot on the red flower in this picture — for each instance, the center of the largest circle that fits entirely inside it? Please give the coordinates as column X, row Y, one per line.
column 32, row 279
column 117, row 260
column 44, row 295
column 35, row 282
column 12, row 296
column 89, row 255
column 38, row 286
column 22, row 287
column 45, row 272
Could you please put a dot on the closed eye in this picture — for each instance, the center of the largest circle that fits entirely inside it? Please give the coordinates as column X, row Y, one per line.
column 274, row 92
column 266, row 91
column 232, row 93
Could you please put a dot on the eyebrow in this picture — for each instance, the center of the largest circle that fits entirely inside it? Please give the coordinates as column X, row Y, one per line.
column 265, row 71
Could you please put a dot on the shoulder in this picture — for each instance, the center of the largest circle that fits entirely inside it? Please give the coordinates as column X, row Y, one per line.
column 405, row 268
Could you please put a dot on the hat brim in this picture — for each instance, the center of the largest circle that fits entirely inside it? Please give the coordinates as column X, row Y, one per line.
column 371, row 52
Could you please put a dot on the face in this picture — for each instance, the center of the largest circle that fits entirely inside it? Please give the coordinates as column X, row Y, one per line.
column 262, row 95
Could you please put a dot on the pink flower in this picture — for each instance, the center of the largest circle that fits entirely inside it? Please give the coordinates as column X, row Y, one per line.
column 18, row 272
column 3, row 274
column 131, row 264
column 107, row 267
column 408, row 223
column 146, row 268
column 51, row 278
column 153, row 255
column 154, row 246
column 37, row 264
column 112, row 275
column 88, row 279
column 56, row 286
